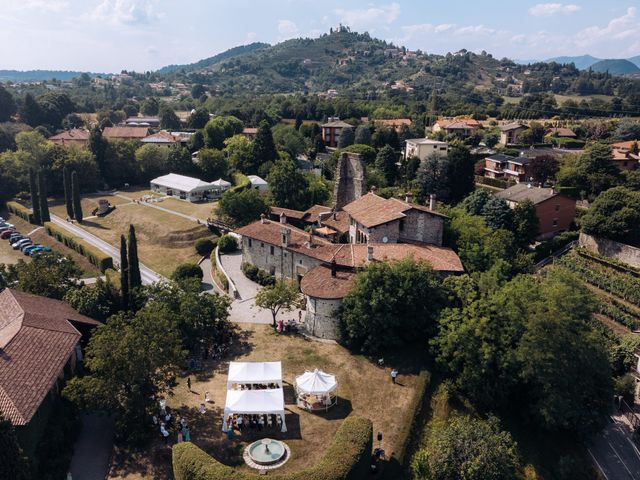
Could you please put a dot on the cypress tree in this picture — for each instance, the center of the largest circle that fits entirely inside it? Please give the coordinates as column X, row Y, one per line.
column 68, row 199
column 75, row 193
column 135, row 280
column 35, row 201
column 42, row 197
column 124, row 273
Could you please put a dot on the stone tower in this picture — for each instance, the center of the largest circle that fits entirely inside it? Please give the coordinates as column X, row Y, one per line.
column 350, row 181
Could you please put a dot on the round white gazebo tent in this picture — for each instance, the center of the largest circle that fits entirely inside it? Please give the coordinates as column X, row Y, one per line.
column 316, row 390
column 254, row 373
column 254, row 402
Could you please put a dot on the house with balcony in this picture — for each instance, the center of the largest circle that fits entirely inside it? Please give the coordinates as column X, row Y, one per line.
column 423, row 147
column 331, row 131
column 507, row 167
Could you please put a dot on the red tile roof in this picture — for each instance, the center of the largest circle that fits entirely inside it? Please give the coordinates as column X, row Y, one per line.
column 561, row 132
column 125, row 133
column 162, row 137
column 371, row 210
column 73, row 135
column 37, row 339
column 338, row 221
column 319, row 283
column 288, row 212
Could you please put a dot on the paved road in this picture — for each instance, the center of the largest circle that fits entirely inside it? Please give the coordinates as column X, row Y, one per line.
column 92, row 450
column 614, row 454
column 148, row 275
column 243, row 309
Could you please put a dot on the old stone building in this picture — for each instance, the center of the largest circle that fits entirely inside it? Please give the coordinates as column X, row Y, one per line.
column 380, row 230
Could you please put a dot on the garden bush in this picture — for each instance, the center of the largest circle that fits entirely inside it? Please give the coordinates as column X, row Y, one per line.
column 257, row 275
column 347, row 458
column 21, row 211
column 552, row 245
column 493, row 182
column 227, row 244
column 187, row 270
column 205, row 246
column 95, row 256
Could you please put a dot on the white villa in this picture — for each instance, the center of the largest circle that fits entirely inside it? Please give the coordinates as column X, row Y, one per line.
column 422, row 147
column 189, row 188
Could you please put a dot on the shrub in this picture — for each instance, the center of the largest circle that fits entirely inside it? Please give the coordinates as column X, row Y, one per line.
column 187, row 270
column 546, row 248
column 347, row 458
column 257, row 275
column 205, row 246
column 223, row 280
column 21, row 211
column 227, row 244
column 492, row 182
column 95, row 256
column 625, row 386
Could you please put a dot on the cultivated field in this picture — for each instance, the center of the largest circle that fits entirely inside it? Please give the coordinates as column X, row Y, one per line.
column 364, row 389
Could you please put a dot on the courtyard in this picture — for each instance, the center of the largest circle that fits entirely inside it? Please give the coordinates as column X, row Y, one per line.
column 365, row 389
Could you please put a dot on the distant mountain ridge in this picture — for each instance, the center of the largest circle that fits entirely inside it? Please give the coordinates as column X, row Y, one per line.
column 210, row 61
column 615, row 66
column 42, row 75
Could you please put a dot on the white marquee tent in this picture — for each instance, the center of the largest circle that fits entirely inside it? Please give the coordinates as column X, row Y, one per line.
column 316, row 390
column 254, row 402
column 254, row 373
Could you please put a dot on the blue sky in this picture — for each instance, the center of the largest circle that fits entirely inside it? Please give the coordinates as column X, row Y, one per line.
column 111, row 35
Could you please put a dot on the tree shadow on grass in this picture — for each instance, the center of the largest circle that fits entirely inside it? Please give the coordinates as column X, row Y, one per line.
column 89, row 223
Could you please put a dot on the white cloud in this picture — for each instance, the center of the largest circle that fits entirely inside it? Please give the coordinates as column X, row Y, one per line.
column 547, row 9
column 126, row 12
column 625, row 27
column 47, row 6
column 287, row 29
column 475, row 30
column 369, row 18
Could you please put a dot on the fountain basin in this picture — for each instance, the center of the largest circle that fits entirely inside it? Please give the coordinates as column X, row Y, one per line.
column 266, row 453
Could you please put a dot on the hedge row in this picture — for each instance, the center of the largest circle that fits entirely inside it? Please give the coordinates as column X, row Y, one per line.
column 257, row 275
column 347, row 458
column 567, row 142
column 21, row 211
column 95, row 256
column 493, row 182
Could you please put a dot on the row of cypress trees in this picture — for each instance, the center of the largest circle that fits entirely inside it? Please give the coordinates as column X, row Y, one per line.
column 130, row 278
column 39, row 203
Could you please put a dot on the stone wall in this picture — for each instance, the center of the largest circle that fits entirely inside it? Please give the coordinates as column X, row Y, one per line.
column 321, row 318
column 350, row 180
column 609, row 248
column 422, row 227
column 282, row 263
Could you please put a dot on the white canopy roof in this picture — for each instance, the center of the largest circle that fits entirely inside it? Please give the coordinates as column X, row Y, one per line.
column 316, row 382
column 221, row 183
column 254, row 373
column 256, row 180
column 252, row 402
column 180, row 182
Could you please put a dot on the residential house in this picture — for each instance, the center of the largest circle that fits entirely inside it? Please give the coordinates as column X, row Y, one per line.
column 423, row 147
column 396, row 123
column 75, row 136
column 162, row 138
column 331, row 131
column 505, row 166
column 555, row 212
column 125, row 133
column 41, row 344
column 560, row 132
column 625, row 155
column 458, row 127
column 250, row 132
column 509, row 133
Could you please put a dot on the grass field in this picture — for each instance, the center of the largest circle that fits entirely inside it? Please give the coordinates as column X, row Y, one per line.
column 198, row 210
column 88, row 202
column 164, row 240
column 363, row 389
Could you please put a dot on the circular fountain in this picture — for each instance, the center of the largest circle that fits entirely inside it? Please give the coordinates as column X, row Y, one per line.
column 266, row 454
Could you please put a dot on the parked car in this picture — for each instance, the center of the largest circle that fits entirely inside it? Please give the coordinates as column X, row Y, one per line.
column 5, row 229
column 14, row 237
column 28, row 248
column 22, row 247
column 21, row 243
column 6, row 234
column 39, row 250
column 7, row 224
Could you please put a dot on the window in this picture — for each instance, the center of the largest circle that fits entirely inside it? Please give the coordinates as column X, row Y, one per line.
column 271, row 250
column 250, row 243
column 555, row 222
column 401, row 224
column 300, row 262
column 557, row 208
column 261, row 244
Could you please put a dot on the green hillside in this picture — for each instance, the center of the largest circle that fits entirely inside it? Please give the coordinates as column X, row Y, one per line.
column 615, row 67
column 208, row 62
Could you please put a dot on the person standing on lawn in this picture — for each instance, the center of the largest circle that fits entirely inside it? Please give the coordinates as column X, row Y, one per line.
column 189, row 383
column 394, row 375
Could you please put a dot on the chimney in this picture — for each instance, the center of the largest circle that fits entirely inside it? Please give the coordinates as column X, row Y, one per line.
column 432, row 202
column 263, row 219
column 333, row 267
column 310, row 240
column 285, row 236
column 283, row 218
column 373, row 189
column 408, row 197
column 369, row 253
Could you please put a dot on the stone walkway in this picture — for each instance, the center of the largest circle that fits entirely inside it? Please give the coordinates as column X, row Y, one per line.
column 92, row 450
column 243, row 309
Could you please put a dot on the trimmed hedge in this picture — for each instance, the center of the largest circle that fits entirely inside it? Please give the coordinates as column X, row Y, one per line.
column 493, row 182
column 95, row 256
column 347, row 458
column 227, row 244
column 257, row 275
column 21, row 211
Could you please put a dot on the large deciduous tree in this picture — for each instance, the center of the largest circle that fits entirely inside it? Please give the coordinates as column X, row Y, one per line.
column 386, row 163
column 460, row 172
column 433, row 176
column 14, row 463
column 7, row 105
column 263, row 148
column 347, row 137
column 241, row 208
column 615, row 215
column 288, row 186
column 49, row 274
column 390, row 305
column 168, row 118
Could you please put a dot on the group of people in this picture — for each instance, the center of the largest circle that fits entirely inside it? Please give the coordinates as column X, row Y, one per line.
column 254, row 422
column 166, row 421
column 259, row 386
